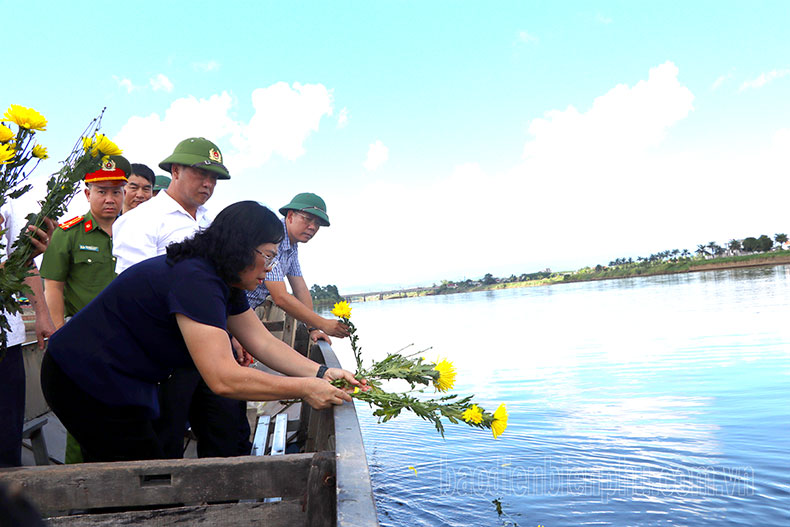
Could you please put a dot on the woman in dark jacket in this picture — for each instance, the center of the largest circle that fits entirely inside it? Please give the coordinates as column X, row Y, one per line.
column 101, row 370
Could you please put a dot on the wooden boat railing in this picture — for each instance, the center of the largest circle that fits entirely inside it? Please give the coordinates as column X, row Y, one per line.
column 327, row 485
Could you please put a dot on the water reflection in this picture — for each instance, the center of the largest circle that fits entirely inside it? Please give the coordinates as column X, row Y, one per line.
column 647, row 401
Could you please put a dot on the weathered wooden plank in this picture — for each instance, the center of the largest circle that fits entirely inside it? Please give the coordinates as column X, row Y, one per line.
column 160, row 482
column 355, row 503
column 32, row 430
column 272, row 326
column 261, row 436
column 35, row 405
column 278, row 438
column 283, row 513
column 321, row 491
column 289, row 330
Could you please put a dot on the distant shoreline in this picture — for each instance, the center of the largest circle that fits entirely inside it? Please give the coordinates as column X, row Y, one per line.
column 737, row 262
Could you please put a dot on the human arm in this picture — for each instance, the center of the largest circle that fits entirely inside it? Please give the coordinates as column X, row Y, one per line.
column 209, row 347
column 242, row 357
column 53, row 294
column 44, row 325
column 300, row 310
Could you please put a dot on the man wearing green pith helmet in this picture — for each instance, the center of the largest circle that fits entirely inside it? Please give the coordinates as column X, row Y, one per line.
column 172, row 216
column 302, row 218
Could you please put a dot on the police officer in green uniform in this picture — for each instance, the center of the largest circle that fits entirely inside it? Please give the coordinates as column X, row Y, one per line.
column 79, row 263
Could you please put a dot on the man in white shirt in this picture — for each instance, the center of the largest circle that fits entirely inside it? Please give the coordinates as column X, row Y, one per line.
column 12, row 367
column 145, row 232
column 175, row 214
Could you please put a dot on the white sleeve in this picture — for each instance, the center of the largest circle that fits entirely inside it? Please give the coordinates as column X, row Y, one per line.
column 133, row 240
column 12, row 224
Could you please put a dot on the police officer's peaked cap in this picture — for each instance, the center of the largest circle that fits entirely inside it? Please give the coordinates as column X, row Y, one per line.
column 114, row 169
column 197, row 152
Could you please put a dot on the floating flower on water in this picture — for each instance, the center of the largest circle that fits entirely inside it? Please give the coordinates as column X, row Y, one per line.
column 6, row 154
column 342, row 310
column 25, row 117
column 40, row 152
column 473, row 414
column 104, row 146
column 6, row 134
column 500, row 421
column 446, row 378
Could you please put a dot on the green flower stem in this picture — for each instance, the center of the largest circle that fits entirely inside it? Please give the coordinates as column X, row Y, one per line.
column 61, row 187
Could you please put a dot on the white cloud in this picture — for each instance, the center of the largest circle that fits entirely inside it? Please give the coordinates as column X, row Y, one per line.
column 378, row 154
column 591, row 183
column 161, row 83
column 206, row 67
column 601, row 19
column 623, row 122
column 525, row 37
column 342, row 118
column 151, row 138
column 125, row 84
column 721, row 79
column 283, row 120
column 763, row 79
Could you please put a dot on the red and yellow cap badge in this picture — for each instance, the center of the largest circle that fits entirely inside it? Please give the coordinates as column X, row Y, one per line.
column 114, row 169
column 214, row 155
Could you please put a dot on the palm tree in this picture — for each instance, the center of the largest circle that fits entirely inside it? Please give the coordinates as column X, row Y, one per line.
column 734, row 245
column 702, row 250
column 685, row 253
column 780, row 239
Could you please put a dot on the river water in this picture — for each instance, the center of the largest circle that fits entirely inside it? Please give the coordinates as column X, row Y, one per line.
column 638, row 402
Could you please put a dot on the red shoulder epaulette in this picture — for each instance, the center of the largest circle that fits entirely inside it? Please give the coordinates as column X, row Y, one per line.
column 66, row 225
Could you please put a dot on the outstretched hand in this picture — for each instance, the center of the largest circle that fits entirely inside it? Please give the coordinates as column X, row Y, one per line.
column 334, row 374
column 320, row 394
column 335, row 328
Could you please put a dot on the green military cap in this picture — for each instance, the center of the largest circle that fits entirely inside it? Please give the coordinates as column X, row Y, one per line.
column 197, row 152
column 161, row 183
column 310, row 203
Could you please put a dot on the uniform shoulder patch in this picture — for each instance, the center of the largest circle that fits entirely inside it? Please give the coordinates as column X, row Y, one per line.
column 66, row 225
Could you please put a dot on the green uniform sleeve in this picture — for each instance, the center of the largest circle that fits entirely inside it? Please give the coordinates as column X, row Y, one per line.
column 55, row 264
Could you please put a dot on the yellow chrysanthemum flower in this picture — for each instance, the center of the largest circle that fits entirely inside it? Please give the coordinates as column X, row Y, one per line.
column 446, row 378
column 473, row 414
column 25, row 117
column 342, row 310
column 87, row 143
column 6, row 154
column 105, row 146
column 6, row 134
column 499, row 424
column 40, row 152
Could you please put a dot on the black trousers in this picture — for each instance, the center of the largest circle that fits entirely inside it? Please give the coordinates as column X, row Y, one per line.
column 105, row 433
column 220, row 424
column 12, row 406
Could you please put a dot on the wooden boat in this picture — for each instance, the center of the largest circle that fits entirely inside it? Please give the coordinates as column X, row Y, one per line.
column 327, row 484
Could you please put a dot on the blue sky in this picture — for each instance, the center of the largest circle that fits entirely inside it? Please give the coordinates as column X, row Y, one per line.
column 449, row 139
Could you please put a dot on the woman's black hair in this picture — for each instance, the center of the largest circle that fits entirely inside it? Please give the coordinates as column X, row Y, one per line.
column 230, row 241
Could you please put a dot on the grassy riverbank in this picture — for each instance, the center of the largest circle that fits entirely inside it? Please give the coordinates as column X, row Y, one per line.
column 628, row 270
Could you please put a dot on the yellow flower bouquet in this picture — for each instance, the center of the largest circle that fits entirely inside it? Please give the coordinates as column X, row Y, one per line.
column 17, row 151
column 416, row 371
